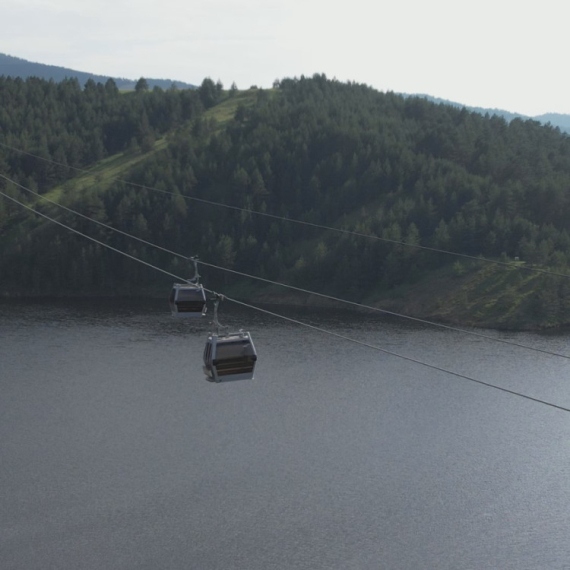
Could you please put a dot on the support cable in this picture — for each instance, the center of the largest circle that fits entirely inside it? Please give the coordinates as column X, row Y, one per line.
column 305, row 223
column 387, row 312
column 301, row 323
column 293, row 287
column 103, row 224
column 403, row 357
column 89, row 237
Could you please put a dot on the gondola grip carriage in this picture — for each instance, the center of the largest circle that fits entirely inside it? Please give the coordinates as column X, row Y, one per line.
column 228, row 356
column 188, row 300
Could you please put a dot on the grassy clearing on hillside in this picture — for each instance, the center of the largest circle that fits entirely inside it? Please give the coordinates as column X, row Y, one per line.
column 105, row 172
column 226, row 110
column 114, row 167
column 476, row 294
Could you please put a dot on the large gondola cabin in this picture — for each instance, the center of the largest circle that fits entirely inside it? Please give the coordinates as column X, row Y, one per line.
column 229, row 357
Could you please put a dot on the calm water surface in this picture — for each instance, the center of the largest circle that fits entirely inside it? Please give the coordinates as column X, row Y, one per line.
column 115, row 453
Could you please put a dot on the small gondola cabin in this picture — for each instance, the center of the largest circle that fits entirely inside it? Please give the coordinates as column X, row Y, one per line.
column 229, row 357
column 187, row 300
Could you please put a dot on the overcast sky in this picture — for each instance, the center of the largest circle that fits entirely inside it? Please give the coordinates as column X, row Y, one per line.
column 497, row 54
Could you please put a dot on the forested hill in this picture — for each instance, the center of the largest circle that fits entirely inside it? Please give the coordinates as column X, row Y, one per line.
column 325, row 152
column 11, row 66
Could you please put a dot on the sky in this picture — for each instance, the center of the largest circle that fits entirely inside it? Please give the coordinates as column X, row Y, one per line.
column 495, row 54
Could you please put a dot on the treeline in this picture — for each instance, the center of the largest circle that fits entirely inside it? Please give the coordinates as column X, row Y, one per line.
column 75, row 127
column 325, row 152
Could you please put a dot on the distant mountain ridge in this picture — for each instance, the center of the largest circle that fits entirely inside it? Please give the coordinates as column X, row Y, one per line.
column 559, row 120
column 18, row 67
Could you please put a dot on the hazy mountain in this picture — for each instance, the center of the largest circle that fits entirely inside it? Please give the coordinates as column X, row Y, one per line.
column 18, row 67
column 555, row 119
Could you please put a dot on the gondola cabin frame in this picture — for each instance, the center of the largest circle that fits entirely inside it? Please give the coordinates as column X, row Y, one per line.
column 229, row 357
column 187, row 300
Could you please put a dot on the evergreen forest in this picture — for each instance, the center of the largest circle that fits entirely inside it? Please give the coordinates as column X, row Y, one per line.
column 343, row 155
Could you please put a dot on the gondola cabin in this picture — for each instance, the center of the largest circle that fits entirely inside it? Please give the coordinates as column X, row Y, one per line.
column 229, row 357
column 187, row 300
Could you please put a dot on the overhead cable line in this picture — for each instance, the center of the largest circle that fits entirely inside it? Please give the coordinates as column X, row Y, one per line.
column 295, row 321
column 89, row 237
column 531, row 398
column 293, row 287
column 305, row 223
column 403, row 357
column 91, row 219
column 387, row 312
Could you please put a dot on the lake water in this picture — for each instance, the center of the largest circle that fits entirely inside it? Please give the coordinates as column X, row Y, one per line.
column 115, row 453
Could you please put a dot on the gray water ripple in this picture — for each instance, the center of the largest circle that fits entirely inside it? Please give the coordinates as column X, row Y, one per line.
column 116, row 453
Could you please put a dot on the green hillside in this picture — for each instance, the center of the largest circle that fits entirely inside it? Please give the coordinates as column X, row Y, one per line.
column 312, row 149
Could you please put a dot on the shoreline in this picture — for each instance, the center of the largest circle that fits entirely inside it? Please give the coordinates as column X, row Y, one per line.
column 392, row 307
